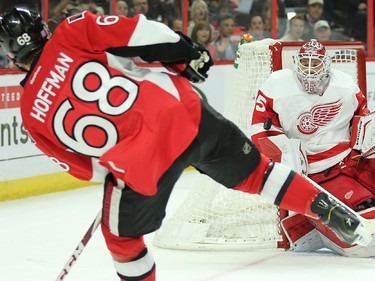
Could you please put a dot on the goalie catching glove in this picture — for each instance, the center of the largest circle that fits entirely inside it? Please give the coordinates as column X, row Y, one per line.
column 196, row 70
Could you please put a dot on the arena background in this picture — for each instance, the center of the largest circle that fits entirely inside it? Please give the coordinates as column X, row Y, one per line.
column 27, row 172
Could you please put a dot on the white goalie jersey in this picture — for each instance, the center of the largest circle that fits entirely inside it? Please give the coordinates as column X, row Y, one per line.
column 321, row 122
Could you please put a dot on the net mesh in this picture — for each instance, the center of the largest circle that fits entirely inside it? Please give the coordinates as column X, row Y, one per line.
column 212, row 216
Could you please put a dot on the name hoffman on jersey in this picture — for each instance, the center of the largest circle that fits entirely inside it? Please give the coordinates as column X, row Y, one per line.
column 43, row 101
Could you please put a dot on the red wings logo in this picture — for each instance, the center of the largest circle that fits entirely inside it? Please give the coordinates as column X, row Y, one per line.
column 319, row 116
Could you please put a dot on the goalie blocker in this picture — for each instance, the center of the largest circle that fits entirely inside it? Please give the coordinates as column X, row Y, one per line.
column 363, row 135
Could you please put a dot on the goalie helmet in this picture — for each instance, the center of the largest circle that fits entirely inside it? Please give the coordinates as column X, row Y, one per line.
column 22, row 32
column 313, row 67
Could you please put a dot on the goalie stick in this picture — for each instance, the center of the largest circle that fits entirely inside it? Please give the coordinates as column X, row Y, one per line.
column 77, row 252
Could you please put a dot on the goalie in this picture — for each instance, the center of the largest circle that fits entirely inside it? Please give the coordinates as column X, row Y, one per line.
column 316, row 122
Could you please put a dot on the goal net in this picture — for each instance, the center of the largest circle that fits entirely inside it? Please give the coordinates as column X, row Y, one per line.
column 213, row 217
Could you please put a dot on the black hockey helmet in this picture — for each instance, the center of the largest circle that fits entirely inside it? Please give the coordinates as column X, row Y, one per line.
column 22, row 32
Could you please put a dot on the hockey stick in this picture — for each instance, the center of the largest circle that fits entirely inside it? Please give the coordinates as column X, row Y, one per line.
column 77, row 252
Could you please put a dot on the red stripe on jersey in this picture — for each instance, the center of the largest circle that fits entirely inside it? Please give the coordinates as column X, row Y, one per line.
column 362, row 104
column 107, row 203
column 337, row 149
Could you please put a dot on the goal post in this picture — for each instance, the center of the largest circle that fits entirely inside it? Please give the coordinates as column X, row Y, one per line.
column 213, row 217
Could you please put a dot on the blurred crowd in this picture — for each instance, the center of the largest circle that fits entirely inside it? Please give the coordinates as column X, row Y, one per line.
column 219, row 24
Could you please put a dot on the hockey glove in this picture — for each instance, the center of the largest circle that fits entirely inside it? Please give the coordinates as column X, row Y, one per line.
column 196, row 70
column 363, row 135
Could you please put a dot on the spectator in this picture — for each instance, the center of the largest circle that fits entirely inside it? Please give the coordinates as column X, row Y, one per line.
column 225, row 46
column 139, row 7
column 152, row 9
column 176, row 25
column 359, row 22
column 322, row 31
column 256, row 28
column 216, row 11
column 350, row 11
column 213, row 8
column 314, row 13
column 296, row 28
column 90, row 6
column 122, row 8
column 329, row 13
column 264, row 8
column 224, row 9
column 202, row 33
column 156, row 10
column 60, row 12
column 198, row 13
column 266, row 13
column 169, row 10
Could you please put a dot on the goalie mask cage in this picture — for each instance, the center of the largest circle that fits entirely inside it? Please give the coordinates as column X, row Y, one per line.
column 213, row 217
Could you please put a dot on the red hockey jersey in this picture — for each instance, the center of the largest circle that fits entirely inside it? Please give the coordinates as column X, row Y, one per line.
column 93, row 111
column 322, row 123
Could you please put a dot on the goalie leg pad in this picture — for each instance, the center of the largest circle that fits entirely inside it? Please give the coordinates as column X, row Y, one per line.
column 294, row 192
column 364, row 172
column 331, row 242
column 301, row 234
column 347, row 190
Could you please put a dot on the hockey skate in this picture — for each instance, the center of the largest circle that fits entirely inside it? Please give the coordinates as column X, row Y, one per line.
column 343, row 221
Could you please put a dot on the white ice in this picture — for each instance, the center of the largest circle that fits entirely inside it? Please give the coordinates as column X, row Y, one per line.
column 39, row 234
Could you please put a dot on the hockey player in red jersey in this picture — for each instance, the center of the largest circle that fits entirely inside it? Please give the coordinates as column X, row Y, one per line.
column 90, row 109
column 316, row 121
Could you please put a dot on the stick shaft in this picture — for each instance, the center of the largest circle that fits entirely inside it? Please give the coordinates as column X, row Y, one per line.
column 78, row 250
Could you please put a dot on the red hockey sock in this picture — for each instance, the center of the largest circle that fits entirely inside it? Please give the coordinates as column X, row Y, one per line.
column 281, row 186
column 295, row 194
column 253, row 184
column 131, row 258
